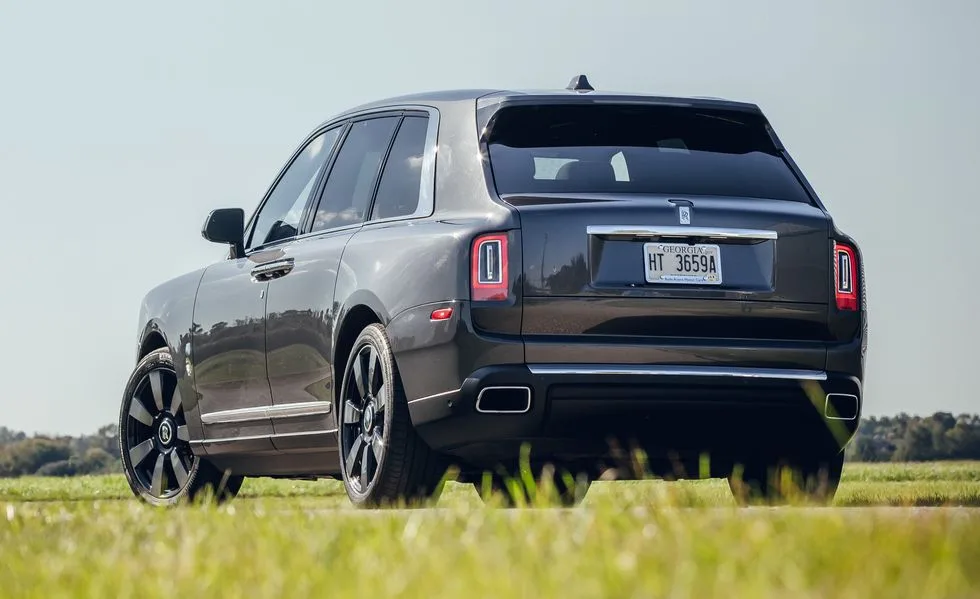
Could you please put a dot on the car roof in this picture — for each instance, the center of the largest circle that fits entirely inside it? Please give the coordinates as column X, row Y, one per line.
column 488, row 97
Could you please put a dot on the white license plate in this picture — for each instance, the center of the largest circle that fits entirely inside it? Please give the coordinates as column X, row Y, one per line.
column 681, row 263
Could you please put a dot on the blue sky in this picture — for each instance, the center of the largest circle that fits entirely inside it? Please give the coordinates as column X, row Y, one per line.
column 123, row 123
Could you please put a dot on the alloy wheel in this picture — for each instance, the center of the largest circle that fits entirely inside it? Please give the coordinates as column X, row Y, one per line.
column 156, row 440
column 364, row 420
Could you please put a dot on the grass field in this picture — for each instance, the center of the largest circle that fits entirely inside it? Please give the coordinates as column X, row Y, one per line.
column 87, row 537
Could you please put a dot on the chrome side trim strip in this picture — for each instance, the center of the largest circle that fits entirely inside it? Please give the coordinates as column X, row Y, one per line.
column 680, row 232
column 434, row 396
column 328, row 431
column 290, row 410
column 648, row 370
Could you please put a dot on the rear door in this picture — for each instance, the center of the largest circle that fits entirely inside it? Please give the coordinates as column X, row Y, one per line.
column 300, row 311
column 670, row 222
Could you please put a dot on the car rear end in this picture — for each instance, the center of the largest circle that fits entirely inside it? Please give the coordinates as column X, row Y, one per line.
column 674, row 281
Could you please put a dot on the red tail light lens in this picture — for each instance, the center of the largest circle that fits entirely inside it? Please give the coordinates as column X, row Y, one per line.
column 846, row 281
column 488, row 257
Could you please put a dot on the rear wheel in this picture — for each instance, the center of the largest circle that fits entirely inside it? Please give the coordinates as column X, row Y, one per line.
column 780, row 481
column 154, row 443
column 382, row 459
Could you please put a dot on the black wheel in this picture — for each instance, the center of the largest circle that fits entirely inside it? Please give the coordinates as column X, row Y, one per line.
column 510, row 490
column 780, row 481
column 153, row 440
column 382, row 459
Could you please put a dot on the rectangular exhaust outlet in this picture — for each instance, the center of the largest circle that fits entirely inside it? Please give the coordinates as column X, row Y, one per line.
column 841, row 406
column 503, row 400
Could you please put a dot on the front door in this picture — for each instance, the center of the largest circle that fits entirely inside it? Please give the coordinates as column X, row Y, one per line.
column 230, row 362
column 229, row 356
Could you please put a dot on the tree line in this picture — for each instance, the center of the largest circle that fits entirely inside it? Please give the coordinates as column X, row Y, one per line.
column 905, row 438
column 44, row 455
column 901, row 438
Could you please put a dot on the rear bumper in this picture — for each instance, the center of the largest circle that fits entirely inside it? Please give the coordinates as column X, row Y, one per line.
column 582, row 412
column 728, row 401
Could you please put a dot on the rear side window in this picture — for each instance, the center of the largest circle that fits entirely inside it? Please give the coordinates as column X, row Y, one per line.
column 401, row 180
column 592, row 148
column 350, row 184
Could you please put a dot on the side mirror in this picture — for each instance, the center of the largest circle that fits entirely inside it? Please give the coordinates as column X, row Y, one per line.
column 226, row 225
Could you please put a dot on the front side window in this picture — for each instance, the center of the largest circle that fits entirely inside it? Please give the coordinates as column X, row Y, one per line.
column 282, row 212
column 588, row 148
column 350, row 184
column 398, row 190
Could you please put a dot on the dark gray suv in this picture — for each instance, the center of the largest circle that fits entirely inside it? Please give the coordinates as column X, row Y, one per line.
column 450, row 278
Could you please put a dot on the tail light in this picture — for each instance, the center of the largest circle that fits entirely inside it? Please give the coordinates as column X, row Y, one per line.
column 488, row 257
column 846, row 279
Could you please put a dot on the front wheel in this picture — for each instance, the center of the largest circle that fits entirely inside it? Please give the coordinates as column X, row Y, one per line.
column 154, row 443
column 382, row 459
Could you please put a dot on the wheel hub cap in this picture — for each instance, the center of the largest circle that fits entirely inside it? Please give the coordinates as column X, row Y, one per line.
column 367, row 423
column 165, row 433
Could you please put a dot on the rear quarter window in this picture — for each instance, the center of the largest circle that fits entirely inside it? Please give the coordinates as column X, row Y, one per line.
column 592, row 148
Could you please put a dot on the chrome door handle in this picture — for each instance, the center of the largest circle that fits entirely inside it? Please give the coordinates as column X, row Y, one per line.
column 272, row 270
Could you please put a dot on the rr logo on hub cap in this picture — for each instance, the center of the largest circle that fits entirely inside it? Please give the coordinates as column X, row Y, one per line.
column 368, row 422
column 166, row 432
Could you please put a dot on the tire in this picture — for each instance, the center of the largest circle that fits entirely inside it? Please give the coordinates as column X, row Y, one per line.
column 510, row 491
column 154, row 444
column 770, row 481
column 383, row 461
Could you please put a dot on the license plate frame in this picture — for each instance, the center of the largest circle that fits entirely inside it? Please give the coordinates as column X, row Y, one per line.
column 664, row 256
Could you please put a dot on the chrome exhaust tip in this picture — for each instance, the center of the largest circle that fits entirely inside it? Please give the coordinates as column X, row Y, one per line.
column 841, row 406
column 504, row 400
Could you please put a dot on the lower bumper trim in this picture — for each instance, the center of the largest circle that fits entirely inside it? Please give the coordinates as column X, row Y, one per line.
column 680, row 370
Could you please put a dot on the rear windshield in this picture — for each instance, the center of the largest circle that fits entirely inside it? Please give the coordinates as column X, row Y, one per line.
column 591, row 148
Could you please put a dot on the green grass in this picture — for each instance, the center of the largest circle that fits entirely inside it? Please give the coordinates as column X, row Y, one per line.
column 935, row 483
column 87, row 537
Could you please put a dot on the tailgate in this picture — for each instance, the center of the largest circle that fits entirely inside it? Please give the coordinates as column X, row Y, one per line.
column 651, row 220
column 746, row 250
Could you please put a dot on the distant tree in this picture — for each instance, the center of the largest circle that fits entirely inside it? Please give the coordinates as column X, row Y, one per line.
column 901, row 438
column 59, row 468
column 8, row 436
column 96, row 461
column 27, row 456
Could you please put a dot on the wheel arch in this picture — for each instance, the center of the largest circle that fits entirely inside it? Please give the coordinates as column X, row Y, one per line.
column 363, row 309
column 153, row 338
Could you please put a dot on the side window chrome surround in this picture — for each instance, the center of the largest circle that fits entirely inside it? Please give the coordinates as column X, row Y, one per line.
column 427, row 186
column 393, row 114
column 249, row 229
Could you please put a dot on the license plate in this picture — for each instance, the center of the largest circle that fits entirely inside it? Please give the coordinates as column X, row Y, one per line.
column 681, row 263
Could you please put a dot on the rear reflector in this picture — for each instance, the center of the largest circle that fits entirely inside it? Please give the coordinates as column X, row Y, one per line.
column 441, row 314
column 489, row 268
column 846, row 281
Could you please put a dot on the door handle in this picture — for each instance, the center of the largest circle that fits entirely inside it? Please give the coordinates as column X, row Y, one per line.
column 272, row 270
